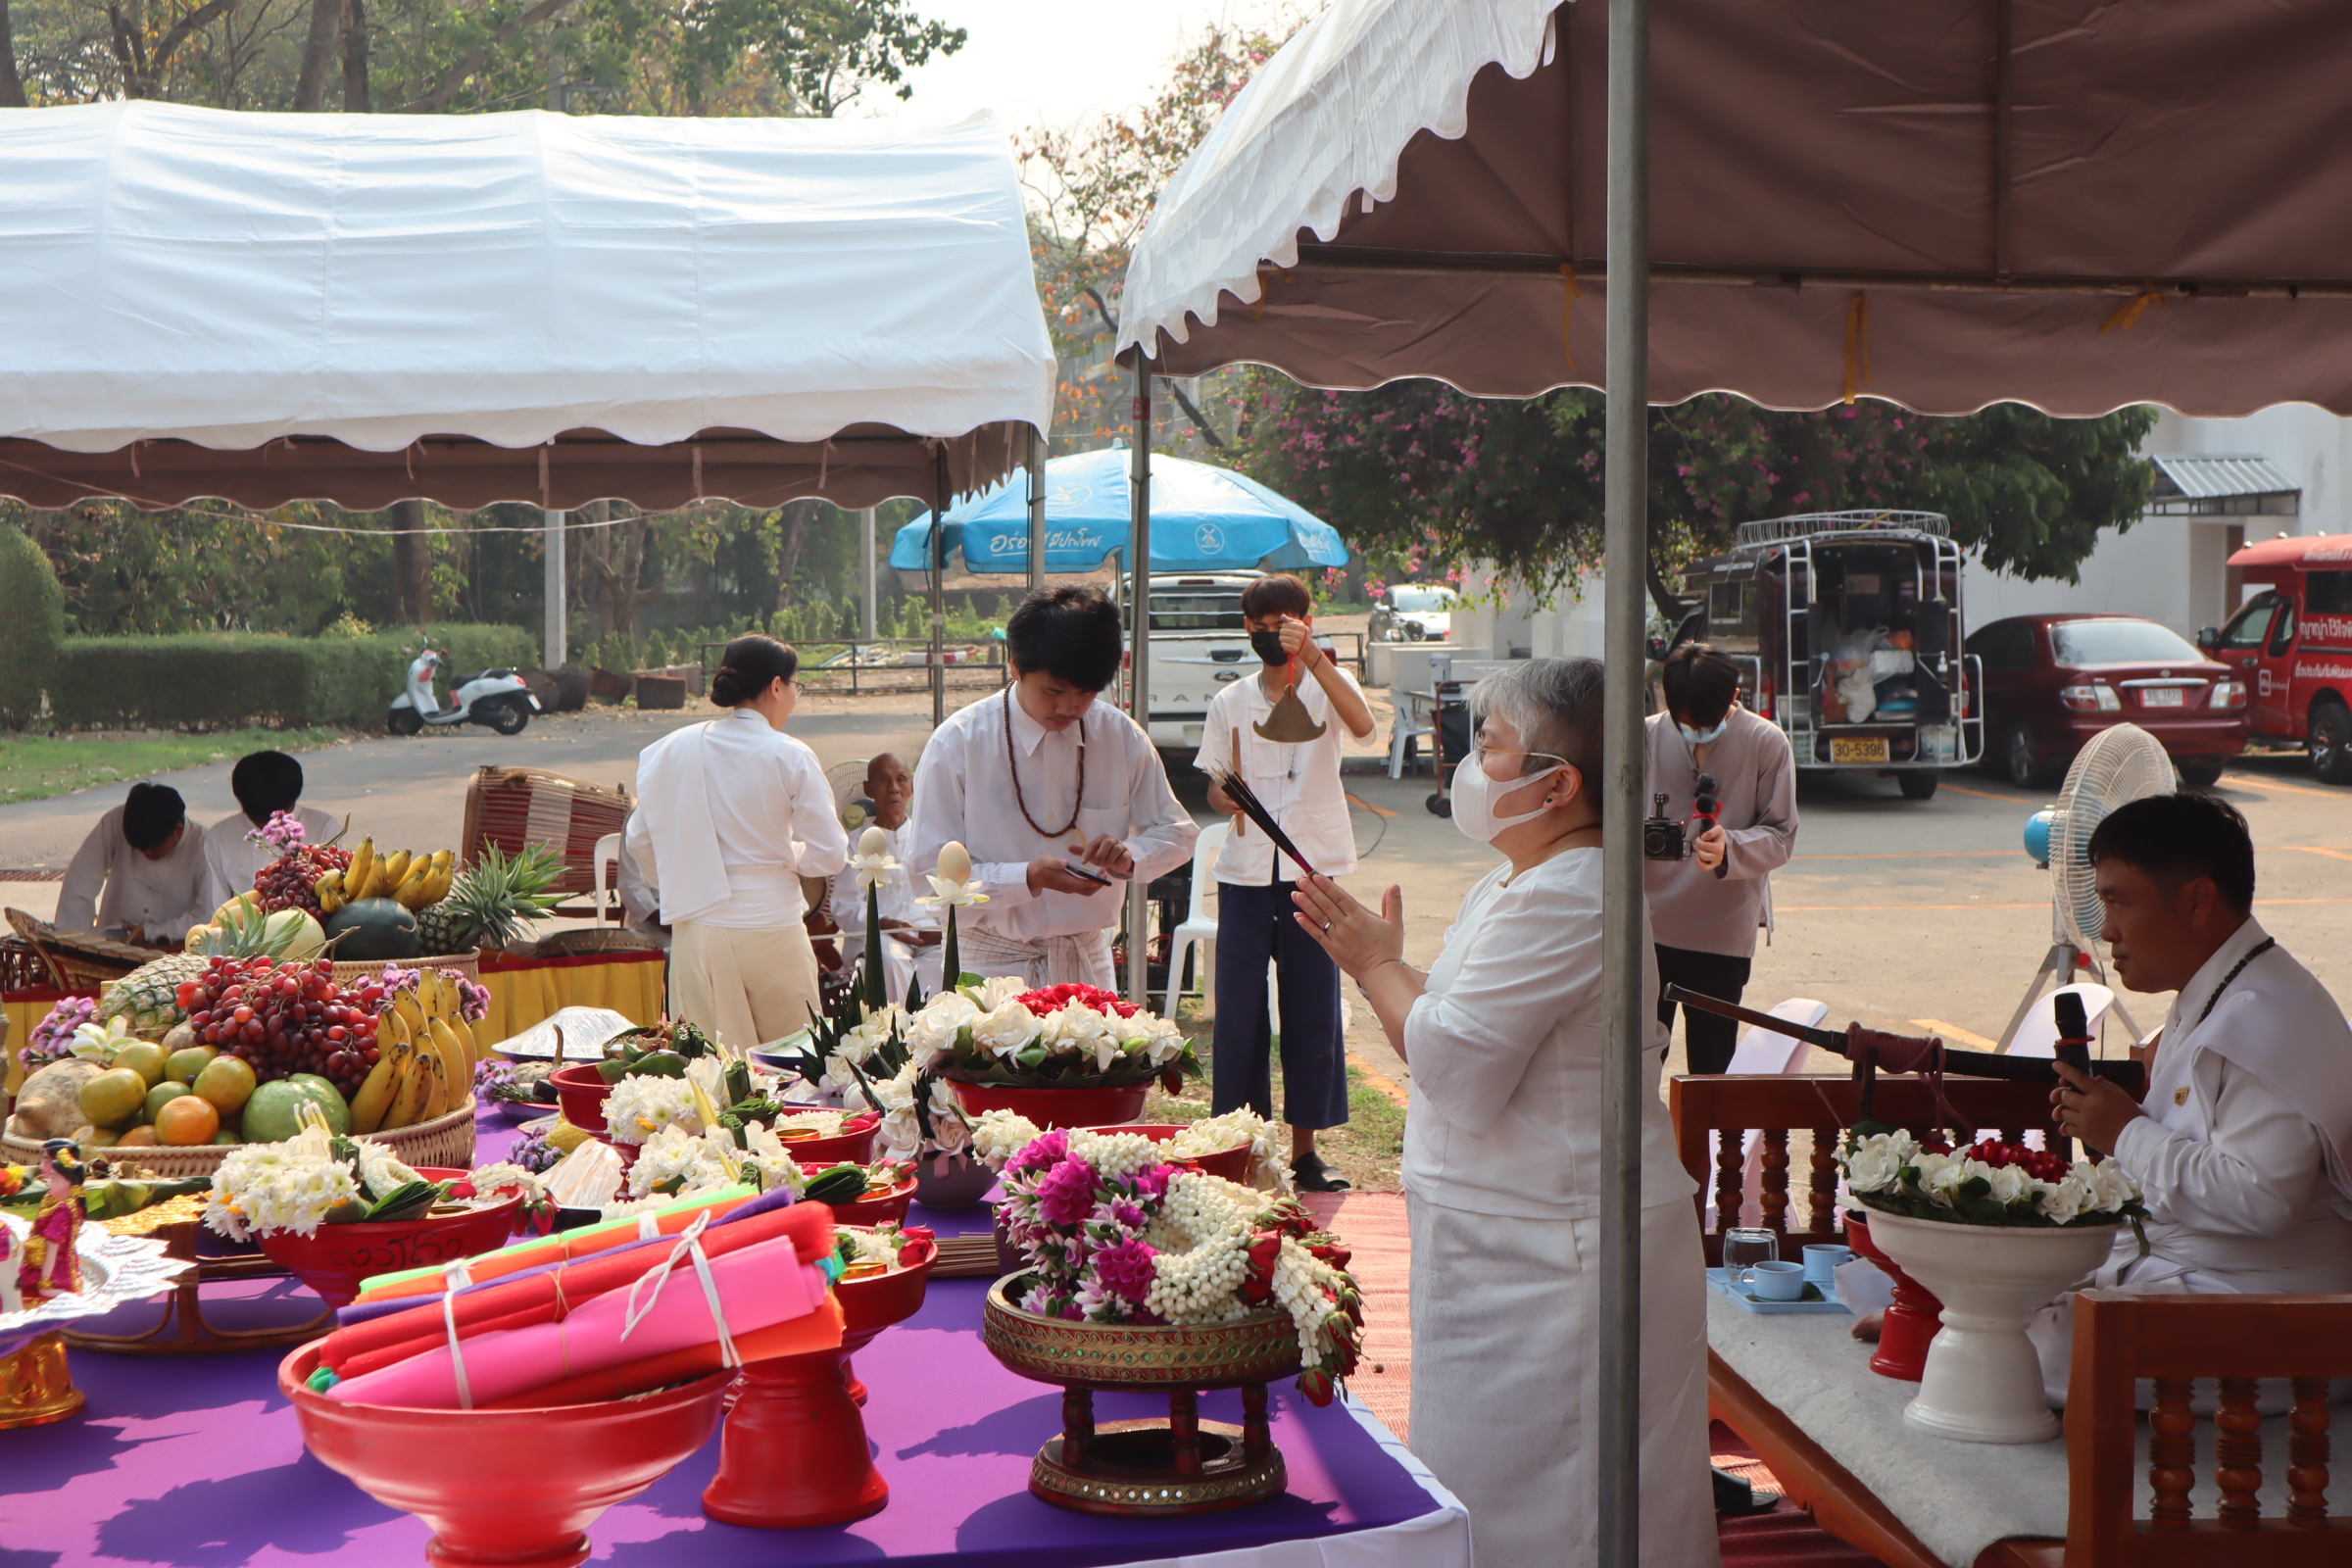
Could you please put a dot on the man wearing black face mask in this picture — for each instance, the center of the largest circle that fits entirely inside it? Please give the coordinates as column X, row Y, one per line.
column 1298, row 781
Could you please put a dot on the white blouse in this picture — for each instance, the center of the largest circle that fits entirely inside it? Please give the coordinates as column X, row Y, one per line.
column 1506, row 1046
column 111, row 885
column 730, row 815
column 1298, row 781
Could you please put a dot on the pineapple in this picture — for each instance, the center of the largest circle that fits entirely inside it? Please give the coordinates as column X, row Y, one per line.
column 490, row 901
column 148, row 998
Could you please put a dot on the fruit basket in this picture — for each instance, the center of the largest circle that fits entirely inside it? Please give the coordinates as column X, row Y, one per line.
column 446, row 1139
column 467, row 963
column 334, row 1259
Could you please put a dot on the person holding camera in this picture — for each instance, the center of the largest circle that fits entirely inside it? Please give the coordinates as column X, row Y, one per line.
column 1723, row 796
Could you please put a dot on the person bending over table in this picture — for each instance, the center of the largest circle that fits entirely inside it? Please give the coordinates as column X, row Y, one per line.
column 730, row 815
column 2242, row 1147
column 139, row 875
column 1505, row 1038
column 1041, row 783
column 264, row 783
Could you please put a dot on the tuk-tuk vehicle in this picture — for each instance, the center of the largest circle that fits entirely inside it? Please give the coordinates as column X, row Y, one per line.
column 2293, row 641
column 1848, row 628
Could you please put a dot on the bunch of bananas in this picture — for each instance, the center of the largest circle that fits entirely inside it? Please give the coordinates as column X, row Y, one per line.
column 424, row 1058
column 411, row 881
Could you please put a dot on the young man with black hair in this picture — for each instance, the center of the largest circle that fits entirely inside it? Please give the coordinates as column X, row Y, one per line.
column 1298, row 781
column 264, row 783
column 1705, row 909
column 140, row 873
column 1059, row 799
column 2242, row 1143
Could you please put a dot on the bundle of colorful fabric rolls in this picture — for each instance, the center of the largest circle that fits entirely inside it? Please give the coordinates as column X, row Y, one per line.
column 598, row 1313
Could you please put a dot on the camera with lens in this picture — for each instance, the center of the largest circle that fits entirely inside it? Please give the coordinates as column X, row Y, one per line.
column 1665, row 839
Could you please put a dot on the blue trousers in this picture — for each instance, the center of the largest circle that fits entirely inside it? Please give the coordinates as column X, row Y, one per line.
column 1254, row 925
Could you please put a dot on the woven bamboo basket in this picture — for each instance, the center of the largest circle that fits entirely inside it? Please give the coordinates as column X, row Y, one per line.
column 467, row 963
column 446, row 1139
column 516, row 807
column 79, row 960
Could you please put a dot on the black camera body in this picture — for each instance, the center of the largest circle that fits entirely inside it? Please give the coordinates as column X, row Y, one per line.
column 1665, row 839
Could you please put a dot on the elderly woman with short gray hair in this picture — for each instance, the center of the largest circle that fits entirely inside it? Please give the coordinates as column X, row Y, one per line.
column 1504, row 1036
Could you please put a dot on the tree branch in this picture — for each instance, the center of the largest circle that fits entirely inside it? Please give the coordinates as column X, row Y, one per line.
column 178, row 32
column 1671, row 605
column 1207, row 432
column 433, row 102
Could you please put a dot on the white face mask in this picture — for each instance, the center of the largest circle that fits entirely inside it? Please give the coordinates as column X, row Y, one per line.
column 1474, row 795
column 1705, row 737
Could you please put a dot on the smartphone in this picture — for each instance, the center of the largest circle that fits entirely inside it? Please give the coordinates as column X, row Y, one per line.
column 1087, row 873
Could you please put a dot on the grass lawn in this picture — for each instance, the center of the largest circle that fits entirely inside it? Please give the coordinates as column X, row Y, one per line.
column 1368, row 1151
column 34, row 767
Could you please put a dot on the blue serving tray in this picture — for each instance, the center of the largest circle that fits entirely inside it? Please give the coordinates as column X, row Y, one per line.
column 1739, row 1294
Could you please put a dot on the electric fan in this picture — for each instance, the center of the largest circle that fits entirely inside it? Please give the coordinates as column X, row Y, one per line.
column 2120, row 765
column 847, row 781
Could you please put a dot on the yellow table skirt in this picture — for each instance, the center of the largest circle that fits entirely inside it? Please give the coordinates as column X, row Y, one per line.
column 522, row 991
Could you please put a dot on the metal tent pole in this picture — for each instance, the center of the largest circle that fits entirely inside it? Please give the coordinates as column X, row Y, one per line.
column 1625, row 512
column 1139, row 659
column 867, row 621
column 557, row 622
column 939, row 598
column 1037, row 509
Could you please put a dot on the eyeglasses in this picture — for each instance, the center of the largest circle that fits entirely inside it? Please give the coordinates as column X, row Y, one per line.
column 1483, row 752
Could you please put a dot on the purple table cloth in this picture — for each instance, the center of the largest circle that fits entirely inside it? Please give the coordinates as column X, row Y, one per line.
column 198, row 1462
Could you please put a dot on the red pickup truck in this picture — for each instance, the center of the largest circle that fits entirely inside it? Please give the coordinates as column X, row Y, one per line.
column 2293, row 642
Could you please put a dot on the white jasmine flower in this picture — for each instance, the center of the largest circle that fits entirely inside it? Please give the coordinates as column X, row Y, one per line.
column 641, row 1106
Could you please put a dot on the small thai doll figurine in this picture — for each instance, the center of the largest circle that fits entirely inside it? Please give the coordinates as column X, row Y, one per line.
column 50, row 1265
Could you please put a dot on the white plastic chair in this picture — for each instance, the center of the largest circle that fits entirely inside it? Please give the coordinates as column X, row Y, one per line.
column 2038, row 1032
column 1405, row 729
column 1765, row 1050
column 608, row 878
column 1199, row 927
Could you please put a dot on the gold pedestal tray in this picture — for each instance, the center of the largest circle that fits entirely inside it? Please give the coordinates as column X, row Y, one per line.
column 182, row 1330
column 35, row 1386
column 1148, row 1469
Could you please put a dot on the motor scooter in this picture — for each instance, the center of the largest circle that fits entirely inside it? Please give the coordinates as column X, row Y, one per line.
column 498, row 698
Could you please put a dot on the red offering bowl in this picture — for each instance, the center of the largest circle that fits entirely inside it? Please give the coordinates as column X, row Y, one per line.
column 1050, row 1108
column 337, row 1258
column 581, row 1091
column 480, row 1478
column 793, row 1455
column 854, row 1144
column 1911, row 1324
column 877, row 1208
column 1233, row 1163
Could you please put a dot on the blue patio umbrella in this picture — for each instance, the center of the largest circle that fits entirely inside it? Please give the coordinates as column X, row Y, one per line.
column 1202, row 519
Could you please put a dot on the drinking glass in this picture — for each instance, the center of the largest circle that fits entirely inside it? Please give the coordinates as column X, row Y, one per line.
column 1743, row 1248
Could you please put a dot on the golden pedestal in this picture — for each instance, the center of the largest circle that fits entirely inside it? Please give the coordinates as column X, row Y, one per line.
column 35, row 1386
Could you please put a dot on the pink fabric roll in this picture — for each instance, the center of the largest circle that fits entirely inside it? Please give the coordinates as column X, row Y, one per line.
column 758, row 1287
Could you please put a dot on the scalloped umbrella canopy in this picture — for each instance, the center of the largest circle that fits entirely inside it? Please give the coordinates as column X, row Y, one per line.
column 1204, row 518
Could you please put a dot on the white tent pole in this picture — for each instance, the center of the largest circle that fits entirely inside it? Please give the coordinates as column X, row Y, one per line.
column 551, row 524
column 1037, row 509
column 866, row 621
column 1139, row 673
column 1624, row 509
column 939, row 598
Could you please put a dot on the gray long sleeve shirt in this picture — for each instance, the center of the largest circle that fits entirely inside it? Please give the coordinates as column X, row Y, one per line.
column 1756, row 778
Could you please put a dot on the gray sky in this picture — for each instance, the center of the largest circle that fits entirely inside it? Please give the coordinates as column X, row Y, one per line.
column 1059, row 62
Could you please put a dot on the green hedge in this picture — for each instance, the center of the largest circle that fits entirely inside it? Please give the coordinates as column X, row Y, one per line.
column 32, row 620
column 210, row 679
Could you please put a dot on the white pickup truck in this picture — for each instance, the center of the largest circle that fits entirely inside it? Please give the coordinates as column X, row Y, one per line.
column 1197, row 647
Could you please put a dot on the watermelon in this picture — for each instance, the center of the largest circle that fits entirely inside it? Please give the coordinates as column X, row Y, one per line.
column 373, row 931
column 273, row 1114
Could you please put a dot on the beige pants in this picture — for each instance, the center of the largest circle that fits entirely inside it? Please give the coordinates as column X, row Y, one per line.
column 745, row 986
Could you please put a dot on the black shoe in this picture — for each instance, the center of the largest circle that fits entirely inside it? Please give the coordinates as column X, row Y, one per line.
column 1309, row 1174
column 1734, row 1497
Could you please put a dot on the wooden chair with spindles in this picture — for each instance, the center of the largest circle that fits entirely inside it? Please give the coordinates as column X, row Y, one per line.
column 1776, row 1106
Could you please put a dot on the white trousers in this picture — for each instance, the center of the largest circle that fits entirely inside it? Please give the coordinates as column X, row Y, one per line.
column 745, row 986
column 1506, row 1328
column 1080, row 958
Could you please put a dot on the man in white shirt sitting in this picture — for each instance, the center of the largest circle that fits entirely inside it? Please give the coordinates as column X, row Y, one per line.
column 1298, row 781
column 264, row 783
column 2242, row 1144
column 1060, row 800
column 139, row 875
column 890, row 787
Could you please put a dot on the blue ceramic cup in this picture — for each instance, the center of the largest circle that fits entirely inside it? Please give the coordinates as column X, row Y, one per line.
column 1778, row 1281
column 1821, row 1263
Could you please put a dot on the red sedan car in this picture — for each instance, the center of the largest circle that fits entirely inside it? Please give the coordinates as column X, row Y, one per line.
column 2053, row 681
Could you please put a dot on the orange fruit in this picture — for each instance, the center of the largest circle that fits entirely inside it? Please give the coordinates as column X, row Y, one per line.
column 136, row 1138
column 186, row 1120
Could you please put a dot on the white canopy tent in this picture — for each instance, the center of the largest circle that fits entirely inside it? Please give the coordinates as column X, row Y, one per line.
column 1945, row 203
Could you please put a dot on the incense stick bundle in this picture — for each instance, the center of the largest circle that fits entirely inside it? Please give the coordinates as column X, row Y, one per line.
column 1255, row 810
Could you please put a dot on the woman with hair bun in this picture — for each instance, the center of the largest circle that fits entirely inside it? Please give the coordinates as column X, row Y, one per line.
column 730, row 815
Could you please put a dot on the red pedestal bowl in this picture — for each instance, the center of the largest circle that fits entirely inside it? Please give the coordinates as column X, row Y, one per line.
column 1233, row 1163
column 1050, row 1108
column 1911, row 1324
column 877, row 1208
column 854, row 1144
column 793, row 1455
column 480, row 1478
column 581, row 1091
column 336, row 1260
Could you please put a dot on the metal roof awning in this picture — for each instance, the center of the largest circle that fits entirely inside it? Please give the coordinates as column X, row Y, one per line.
column 2222, row 485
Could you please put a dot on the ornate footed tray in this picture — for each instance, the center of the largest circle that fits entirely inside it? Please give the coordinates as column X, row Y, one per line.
column 36, row 1385
column 1148, row 1469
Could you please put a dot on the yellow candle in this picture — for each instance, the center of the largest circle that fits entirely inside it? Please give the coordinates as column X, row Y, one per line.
column 955, row 861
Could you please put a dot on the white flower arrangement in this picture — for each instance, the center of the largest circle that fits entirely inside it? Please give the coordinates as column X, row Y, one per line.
column 999, row 1135
column 1991, row 1182
column 1065, row 1034
column 641, row 1106
column 286, row 1186
column 912, row 1130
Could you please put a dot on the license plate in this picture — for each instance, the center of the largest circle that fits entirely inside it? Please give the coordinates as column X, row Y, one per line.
column 1858, row 749
column 2160, row 697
